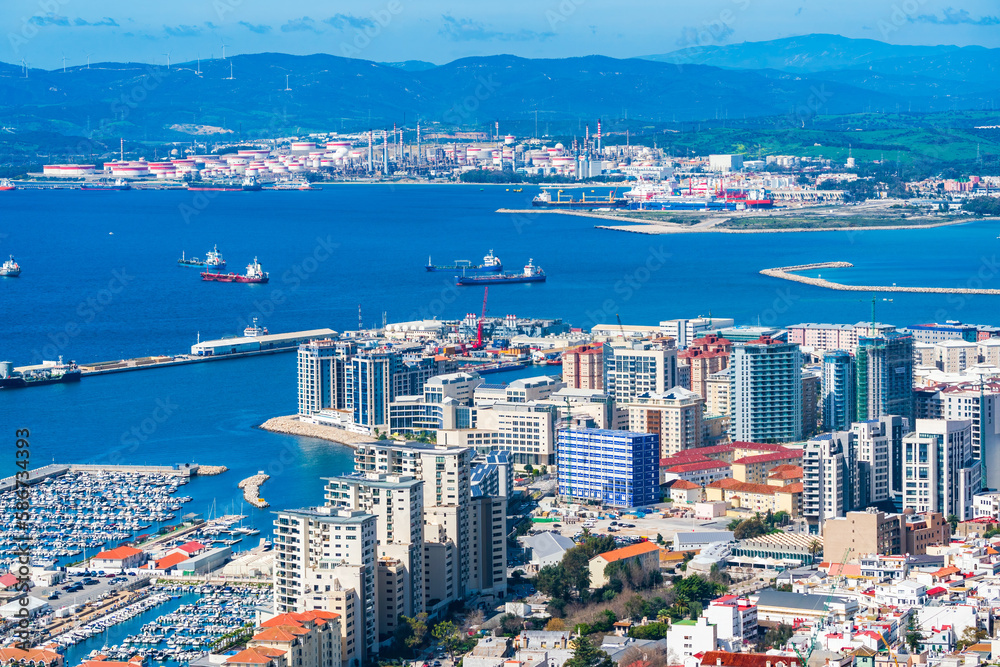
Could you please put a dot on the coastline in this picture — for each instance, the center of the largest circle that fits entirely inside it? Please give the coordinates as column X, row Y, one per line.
column 711, row 224
column 290, row 425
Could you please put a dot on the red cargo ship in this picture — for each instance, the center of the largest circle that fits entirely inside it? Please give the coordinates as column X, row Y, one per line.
column 254, row 274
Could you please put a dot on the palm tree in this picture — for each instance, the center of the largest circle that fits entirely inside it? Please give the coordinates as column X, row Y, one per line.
column 953, row 520
column 814, row 548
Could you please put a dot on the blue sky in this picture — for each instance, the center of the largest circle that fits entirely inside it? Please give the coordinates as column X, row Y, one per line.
column 43, row 31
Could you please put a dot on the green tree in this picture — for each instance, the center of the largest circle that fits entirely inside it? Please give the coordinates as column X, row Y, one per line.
column 418, row 631
column 585, row 654
column 953, row 520
column 972, row 635
column 553, row 581
column 750, row 528
column 447, row 633
column 654, row 631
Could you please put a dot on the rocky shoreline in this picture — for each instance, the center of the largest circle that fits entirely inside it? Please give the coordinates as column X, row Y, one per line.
column 290, row 425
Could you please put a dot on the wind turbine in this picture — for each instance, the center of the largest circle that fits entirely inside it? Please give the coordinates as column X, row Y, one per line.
column 25, row 66
column 286, row 83
column 198, row 71
column 167, row 54
column 64, row 63
column 224, row 45
column 88, row 60
column 230, row 78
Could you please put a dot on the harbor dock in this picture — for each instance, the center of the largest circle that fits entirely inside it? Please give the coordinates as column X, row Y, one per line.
column 251, row 489
column 53, row 470
column 788, row 273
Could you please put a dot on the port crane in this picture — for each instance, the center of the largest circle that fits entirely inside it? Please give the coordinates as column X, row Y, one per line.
column 482, row 319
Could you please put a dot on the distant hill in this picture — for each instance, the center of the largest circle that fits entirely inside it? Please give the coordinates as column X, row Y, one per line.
column 803, row 54
column 138, row 101
column 412, row 65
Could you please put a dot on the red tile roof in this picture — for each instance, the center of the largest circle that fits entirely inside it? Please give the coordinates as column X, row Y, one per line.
column 698, row 465
column 683, row 485
column 773, row 456
column 192, row 547
column 630, row 551
column 170, row 561
column 119, row 553
column 255, row 656
column 8, row 580
column 726, row 659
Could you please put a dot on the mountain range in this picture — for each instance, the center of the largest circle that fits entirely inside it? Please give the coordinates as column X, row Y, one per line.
column 795, row 79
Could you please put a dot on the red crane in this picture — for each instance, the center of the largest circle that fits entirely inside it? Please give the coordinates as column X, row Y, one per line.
column 479, row 331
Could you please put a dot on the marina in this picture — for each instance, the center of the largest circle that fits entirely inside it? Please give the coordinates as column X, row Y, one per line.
column 80, row 512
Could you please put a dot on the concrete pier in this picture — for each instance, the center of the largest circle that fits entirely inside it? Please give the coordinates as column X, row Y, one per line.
column 787, row 273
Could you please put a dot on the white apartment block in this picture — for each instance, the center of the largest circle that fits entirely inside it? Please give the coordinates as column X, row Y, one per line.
column 939, row 471
column 525, row 430
column 684, row 331
column 324, row 559
column 634, row 368
column 676, row 416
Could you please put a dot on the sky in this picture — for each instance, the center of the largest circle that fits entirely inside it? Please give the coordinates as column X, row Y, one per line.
column 43, row 32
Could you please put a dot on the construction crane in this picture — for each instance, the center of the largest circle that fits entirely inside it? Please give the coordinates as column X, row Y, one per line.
column 482, row 318
column 874, row 301
column 620, row 327
column 804, row 659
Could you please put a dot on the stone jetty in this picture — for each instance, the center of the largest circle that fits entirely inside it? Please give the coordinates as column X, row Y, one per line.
column 291, row 425
column 251, row 489
column 788, row 273
column 211, row 470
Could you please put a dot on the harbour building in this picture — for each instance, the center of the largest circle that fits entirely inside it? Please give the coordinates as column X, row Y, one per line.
column 614, row 468
column 884, row 376
column 839, row 404
column 766, row 391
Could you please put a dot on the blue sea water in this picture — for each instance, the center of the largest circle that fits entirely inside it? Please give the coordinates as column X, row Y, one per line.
column 100, row 281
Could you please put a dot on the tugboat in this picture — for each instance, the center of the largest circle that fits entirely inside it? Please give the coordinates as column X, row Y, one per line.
column 10, row 268
column 491, row 264
column 254, row 330
column 106, row 185
column 531, row 274
column 6, row 184
column 254, row 274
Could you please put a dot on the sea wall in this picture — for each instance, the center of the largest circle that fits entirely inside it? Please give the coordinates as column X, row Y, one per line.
column 290, row 425
column 786, row 273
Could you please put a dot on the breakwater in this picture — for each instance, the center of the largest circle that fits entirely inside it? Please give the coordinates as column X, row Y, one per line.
column 788, row 273
column 291, row 425
column 251, row 489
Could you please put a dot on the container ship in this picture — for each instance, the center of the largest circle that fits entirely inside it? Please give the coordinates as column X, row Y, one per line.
column 531, row 274
column 10, row 268
column 545, row 199
column 491, row 264
column 104, row 185
column 49, row 372
column 213, row 260
column 254, row 274
column 248, row 184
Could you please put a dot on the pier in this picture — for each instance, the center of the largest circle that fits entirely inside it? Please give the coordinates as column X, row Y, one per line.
column 251, row 489
column 59, row 469
column 788, row 273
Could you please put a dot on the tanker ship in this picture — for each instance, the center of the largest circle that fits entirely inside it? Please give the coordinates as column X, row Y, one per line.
column 248, row 184
column 254, row 274
column 531, row 274
column 49, row 372
column 491, row 264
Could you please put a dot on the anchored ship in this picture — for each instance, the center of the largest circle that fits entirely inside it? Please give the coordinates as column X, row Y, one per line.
column 49, row 372
column 10, row 268
column 7, row 184
column 106, row 185
column 531, row 274
column 248, row 184
column 254, row 274
column 491, row 264
column 546, row 200
column 213, row 260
